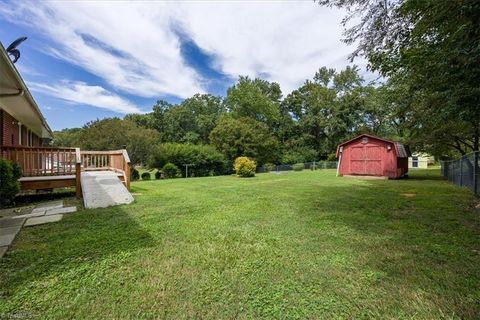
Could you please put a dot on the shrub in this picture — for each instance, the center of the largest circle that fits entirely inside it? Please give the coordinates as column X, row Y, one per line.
column 244, row 167
column 205, row 159
column 298, row 167
column 171, row 171
column 9, row 185
column 269, row 167
column 146, row 175
column 135, row 174
column 158, row 174
column 298, row 155
column 332, row 156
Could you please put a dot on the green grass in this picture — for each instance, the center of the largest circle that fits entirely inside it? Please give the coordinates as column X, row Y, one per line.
column 294, row 245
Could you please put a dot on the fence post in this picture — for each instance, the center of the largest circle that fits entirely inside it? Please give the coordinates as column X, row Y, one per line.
column 475, row 172
column 461, row 171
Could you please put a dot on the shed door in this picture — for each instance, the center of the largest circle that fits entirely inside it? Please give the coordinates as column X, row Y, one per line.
column 373, row 160
column 366, row 160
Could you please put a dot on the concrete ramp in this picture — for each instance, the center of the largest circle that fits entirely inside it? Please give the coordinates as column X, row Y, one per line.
column 102, row 189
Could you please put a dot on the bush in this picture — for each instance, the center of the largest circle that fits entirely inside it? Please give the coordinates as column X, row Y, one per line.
column 171, row 171
column 158, row 174
column 244, row 167
column 146, row 175
column 269, row 167
column 332, row 156
column 298, row 167
column 9, row 185
column 135, row 174
column 205, row 159
column 298, row 155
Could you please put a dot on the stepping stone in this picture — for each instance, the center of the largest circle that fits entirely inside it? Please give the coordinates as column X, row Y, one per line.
column 50, row 205
column 42, row 220
column 8, row 234
column 61, row 210
column 9, row 222
column 31, row 215
column 39, row 210
column 3, row 250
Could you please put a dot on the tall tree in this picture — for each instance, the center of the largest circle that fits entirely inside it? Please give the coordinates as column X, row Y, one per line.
column 325, row 110
column 257, row 99
column 433, row 48
column 236, row 137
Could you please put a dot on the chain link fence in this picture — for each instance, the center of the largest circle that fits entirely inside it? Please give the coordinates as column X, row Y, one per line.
column 464, row 171
column 316, row 165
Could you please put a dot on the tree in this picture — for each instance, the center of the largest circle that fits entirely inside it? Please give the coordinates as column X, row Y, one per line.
column 236, row 137
column 432, row 48
column 114, row 134
column 67, row 138
column 257, row 99
column 326, row 111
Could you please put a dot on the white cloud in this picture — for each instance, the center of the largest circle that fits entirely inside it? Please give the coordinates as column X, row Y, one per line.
column 128, row 45
column 135, row 47
column 83, row 94
column 285, row 42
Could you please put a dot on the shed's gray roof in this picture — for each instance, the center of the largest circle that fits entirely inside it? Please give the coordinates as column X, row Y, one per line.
column 402, row 150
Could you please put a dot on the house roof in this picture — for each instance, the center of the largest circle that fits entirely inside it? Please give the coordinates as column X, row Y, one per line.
column 16, row 99
column 402, row 150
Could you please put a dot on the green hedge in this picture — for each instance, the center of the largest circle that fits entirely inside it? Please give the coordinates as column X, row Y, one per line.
column 9, row 185
column 205, row 159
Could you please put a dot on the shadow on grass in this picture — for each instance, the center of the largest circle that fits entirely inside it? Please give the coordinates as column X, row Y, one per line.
column 32, row 198
column 79, row 239
column 409, row 242
column 425, row 174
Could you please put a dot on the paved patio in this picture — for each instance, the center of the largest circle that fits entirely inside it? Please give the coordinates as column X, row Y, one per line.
column 14, row 219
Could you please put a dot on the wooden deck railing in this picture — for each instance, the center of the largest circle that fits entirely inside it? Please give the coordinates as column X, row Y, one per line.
column 45, row 161
column 41, row 161
column 117, row 161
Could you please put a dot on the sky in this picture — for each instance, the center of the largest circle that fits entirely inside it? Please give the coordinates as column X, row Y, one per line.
column 89, row 60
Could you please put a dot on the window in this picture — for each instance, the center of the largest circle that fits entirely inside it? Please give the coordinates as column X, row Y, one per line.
column 365, row 140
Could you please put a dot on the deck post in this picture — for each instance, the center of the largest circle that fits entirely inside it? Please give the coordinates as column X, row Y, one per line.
column 78, row 172
column 126, row 168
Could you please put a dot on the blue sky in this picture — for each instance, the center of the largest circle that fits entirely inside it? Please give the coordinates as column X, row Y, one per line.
column 89, row 60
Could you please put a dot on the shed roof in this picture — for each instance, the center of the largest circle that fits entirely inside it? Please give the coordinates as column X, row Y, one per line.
column 402, row 150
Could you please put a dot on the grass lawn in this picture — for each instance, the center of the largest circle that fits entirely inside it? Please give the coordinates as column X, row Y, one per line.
column 294, row 245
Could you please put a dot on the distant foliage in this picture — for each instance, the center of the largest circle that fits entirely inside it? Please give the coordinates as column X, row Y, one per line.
column 298, row 167
column 158, row 174
column 171, row 171
column 239, row 136
column 245, row 167
column 135, row 174
column 332, row 156
column 204, row 160
column 110, row 134
column 9, row 185
column 269, row 167
column 146, row 176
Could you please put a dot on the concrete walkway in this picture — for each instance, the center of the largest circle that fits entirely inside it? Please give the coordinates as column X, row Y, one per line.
column 11, row 224
column 102, row 189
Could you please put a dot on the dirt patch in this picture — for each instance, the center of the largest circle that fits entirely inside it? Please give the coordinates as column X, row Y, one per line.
column 409, row 194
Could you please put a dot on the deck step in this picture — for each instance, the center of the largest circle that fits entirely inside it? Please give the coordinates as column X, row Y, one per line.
column 102, row 189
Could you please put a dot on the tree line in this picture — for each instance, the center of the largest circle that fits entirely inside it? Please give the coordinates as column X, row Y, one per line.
column 428, row 53
column 253, row 119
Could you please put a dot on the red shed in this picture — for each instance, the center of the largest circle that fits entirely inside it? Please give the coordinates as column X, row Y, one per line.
column 368, row 155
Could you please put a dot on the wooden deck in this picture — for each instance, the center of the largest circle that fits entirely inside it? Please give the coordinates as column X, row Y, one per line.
column 47, row 168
